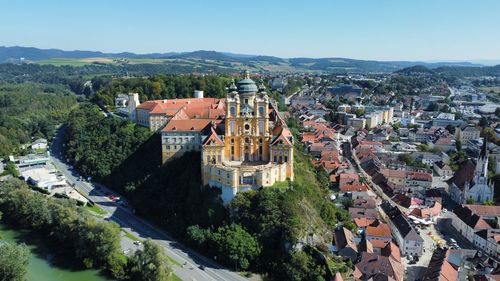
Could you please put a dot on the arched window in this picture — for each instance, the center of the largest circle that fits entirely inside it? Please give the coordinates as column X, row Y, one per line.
column 232, row 126
column 232, row 110
column 261, row 110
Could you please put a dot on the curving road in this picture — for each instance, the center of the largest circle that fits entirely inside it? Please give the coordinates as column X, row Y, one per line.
column 190, row 260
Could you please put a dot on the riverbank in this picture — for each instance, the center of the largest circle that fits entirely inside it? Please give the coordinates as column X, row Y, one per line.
column 43, row 263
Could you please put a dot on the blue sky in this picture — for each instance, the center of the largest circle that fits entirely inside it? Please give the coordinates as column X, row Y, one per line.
column 364, row 29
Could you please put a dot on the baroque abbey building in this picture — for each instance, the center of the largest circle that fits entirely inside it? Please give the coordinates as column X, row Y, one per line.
column 244, row 141
column 255, row 148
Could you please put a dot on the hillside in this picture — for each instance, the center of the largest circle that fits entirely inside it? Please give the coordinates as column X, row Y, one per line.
column 267, row 224
column 203, row 60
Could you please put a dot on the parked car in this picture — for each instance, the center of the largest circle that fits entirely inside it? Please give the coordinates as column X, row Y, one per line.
column 202, row 267
column 137, row 242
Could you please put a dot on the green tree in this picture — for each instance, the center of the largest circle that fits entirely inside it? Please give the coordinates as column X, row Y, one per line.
column 483, row 122
column 11, row 169
column 198, row 235
column 98, row 243
column 236, row 246
column 451, row 129
column 489, row 202
column 302, row 266
column 359, row 112
column 13, row 261
column 423, row 147
column 149, row 264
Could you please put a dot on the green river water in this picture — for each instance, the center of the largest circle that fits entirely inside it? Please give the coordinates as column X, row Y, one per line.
column 41, row 264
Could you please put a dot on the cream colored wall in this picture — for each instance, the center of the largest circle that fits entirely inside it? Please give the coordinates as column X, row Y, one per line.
column 175, row 144
column 143, row 117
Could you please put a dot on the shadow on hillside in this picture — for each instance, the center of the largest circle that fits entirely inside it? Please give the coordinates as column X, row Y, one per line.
column 139, row 165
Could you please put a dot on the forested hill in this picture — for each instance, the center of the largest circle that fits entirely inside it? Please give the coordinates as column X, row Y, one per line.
column 256, row 232
column 470, row 71
column 209, row 61
column 458, row 71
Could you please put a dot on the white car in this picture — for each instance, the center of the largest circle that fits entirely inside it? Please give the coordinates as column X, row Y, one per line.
column 138, row 243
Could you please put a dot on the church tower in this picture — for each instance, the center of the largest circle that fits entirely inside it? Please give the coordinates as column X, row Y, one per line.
column 479, row 189
column 247, row 122
column 257, row 145
column 482, row 162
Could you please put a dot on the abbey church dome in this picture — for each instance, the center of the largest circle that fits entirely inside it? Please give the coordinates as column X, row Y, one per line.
column 247, row 85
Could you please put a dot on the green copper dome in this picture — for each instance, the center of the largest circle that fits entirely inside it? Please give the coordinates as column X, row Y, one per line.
column 247, row 85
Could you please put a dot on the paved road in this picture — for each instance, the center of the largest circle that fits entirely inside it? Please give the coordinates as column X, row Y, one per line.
column 140, row 228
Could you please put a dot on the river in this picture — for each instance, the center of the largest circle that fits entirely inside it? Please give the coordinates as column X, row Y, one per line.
column 41, row 263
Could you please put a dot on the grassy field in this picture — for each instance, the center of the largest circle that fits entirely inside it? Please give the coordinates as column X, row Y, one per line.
column 96, row 209
column 65, row 61
column 282, row 67
column 130, row 236
column 490, row 89
column 174, row 277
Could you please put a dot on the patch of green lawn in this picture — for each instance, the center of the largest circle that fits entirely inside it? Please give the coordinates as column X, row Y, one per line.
column 174, row 277
column 96, row 209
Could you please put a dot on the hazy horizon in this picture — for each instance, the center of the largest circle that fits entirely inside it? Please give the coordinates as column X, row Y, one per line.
column 424, row 30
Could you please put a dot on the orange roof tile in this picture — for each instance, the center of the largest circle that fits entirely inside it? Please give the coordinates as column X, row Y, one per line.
column 484, row 210
column 213, row 138
column 194, row 125
column 380, row 244
column 382, row 230
column 363, row 222
column 353, row 187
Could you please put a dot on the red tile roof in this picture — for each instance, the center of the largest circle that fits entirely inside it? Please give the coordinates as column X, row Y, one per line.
column 194, row 125
column 484, row 210
column 213, row 139
column 419, row 176
column 382, row 230
column 371, row 264
column 363, row 222
column 379, row 244
column 354, row 187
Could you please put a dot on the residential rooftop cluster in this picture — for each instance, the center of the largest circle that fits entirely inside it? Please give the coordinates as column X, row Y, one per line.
column 415, row 181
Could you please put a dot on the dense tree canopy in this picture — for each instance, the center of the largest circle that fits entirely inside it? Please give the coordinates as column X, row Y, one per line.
column 97, row 144
column 160, row 87
column 13, row 261
column 94, row 243
column 149, row 264
column 91, row 242
column 28, row 111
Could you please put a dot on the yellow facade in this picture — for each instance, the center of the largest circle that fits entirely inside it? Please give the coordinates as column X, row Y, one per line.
column 255, row 149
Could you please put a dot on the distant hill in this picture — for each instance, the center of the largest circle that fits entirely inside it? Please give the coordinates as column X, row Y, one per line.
column 35, row 54
column 230, row 61
column 417, row 69
column 470, row 71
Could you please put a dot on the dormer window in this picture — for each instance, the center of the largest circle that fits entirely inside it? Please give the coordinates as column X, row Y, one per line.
column 246, row 101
